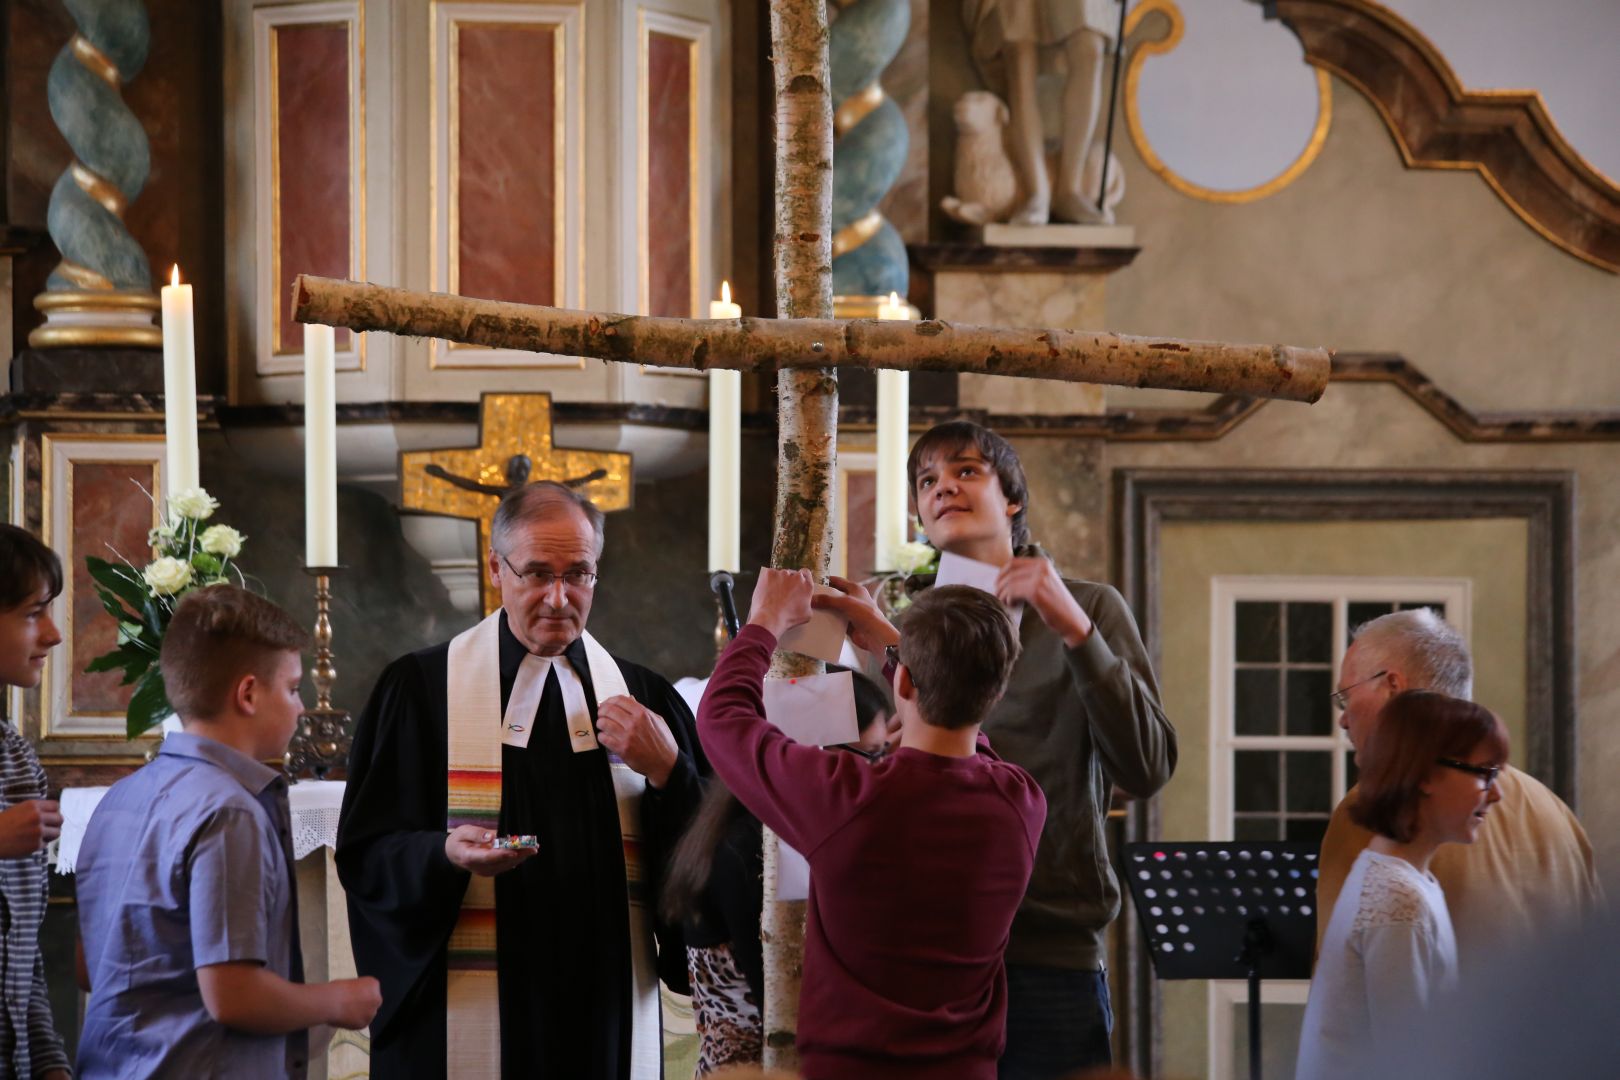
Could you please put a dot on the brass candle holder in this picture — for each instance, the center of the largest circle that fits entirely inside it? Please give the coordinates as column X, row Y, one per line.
column 324, row 732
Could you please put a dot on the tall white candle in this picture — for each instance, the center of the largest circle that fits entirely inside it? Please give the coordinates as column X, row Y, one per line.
column 725, row 453
column 179, row 385
column 320, row 447
column 893, row 444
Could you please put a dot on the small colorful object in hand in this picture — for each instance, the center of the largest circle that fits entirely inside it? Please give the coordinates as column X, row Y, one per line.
column 516, row 843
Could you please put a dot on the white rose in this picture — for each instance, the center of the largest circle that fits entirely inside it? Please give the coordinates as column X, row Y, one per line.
column 912, row 557
column 221, row 540
column 167, row 576
column 194, row 503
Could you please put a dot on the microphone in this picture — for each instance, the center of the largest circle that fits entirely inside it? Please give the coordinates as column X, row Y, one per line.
column 721, row 583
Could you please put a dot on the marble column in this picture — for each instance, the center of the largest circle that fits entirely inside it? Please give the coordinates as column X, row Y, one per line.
column 101, row 291
column 869, row 258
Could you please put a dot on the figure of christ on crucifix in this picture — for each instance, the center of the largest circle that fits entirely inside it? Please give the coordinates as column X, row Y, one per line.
column 518, row 467
column 805, row 347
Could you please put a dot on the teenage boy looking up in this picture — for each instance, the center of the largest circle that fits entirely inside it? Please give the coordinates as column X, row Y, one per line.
column 1081, row 713
column 187, row 909
column 30, row 578
column 917, row 862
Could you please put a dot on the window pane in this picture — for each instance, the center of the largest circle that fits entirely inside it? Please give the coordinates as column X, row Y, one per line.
column 1310, row 633
column 1255, row 828
column 1350, row 772
column 1310, row 829
column 1310, row 781
column 1258, row 632
column 1256, row 701
column 1255, row 773
column 1310, row 703
column 1362, row 611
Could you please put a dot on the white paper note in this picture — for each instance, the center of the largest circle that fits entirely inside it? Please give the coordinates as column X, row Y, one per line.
column 818, row 710
column 792, row 874
column 823, row 636
column 961, row 570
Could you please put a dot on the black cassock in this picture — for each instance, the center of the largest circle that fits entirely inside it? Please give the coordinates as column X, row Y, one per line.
column 561, row 916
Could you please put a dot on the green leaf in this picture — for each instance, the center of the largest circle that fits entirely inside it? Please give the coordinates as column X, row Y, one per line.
column 120, row 580
column 205, row 564
column 121, row 657
column 149, row 705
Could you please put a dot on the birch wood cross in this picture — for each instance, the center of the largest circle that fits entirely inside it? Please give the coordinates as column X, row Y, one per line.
column 805, row 347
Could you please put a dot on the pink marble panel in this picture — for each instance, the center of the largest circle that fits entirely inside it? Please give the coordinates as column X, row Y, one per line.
column 506, row 185
column 860, row 523
column 109, row 515
column 669, row 175
column 312, row 179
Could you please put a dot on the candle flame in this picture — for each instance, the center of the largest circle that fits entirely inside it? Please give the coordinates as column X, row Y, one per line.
column 725, row 292
column 894, row 299
column 174, row 275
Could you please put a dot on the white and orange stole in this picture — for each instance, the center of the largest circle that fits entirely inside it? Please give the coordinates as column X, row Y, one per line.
column 477, row 731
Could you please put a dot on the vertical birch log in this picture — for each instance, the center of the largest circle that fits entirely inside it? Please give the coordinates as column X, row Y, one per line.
column 807, row 416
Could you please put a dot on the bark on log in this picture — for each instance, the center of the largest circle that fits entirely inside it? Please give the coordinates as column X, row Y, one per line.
column 807, row 416
column 806, row 341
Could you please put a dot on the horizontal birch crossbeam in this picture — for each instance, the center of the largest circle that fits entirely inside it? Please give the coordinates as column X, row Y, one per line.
column 750, row 344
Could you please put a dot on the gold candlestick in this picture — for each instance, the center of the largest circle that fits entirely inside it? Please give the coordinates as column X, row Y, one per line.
column 324, row 732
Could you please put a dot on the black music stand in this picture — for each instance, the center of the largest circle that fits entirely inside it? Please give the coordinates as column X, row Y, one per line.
column 1227, row 911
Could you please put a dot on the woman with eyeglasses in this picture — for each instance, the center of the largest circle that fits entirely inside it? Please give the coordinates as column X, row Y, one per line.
column 1428, row 777
column 714, row 889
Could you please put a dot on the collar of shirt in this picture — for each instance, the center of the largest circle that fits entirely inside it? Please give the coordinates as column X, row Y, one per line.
column 253, row 775
column 513, row 652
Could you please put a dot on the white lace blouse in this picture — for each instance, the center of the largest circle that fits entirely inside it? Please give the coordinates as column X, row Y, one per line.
column 1388, row 952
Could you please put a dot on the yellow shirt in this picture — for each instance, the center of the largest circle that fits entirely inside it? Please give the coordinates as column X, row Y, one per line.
column 1528, row 871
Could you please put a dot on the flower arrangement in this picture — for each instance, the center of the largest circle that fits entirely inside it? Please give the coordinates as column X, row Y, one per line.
column 911, row 557
column 187, row 557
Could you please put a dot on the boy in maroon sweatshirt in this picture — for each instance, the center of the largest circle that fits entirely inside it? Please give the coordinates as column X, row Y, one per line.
column 917, row 862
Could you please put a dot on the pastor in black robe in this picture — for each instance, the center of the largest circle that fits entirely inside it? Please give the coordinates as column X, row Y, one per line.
column 561, row 916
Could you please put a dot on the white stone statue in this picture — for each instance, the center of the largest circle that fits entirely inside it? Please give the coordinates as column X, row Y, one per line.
column 1009, row 40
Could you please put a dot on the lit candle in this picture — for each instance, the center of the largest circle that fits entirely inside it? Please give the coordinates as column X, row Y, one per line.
column 320, row 447
column 893, row 444
column 179, row 385
column 725, row 453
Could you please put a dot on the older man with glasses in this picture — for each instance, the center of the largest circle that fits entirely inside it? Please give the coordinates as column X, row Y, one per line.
column 512, row 794
column 1531, row 868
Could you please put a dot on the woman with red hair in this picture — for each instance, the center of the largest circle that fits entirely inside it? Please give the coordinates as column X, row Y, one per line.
column 1428, row 777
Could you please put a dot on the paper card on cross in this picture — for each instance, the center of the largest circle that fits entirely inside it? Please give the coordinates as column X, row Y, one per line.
column 818, row 710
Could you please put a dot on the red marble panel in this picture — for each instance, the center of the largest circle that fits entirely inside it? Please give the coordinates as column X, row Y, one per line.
column 312, row 180
column 109, row 517
column 860, row 524
column 669, row 175
column 506, row 184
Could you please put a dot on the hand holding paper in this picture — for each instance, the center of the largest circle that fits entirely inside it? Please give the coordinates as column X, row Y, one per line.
column 868, row 628
column 823, row 636
column 781, row 600
column 1036, row 582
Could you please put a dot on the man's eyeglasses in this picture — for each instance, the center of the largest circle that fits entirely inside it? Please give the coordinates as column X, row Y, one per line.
column 873, row 756
column 1341, row 698
column 891, row 658
column 1487, row 773
column 545, row 579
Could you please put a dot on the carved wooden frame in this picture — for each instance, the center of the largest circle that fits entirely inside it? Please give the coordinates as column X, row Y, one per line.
column 1145, row 500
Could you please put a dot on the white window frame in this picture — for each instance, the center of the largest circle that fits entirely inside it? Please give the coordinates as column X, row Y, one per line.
column 1225, row 593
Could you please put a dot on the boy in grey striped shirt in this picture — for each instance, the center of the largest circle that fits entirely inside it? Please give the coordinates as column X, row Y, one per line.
column 30, row 578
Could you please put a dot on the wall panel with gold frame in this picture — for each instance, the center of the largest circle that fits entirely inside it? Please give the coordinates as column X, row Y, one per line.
column 666, row 263
column 309, row 167
column 508, row 163
column 99, row 495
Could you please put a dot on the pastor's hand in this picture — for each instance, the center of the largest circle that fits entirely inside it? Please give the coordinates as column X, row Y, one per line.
column 1035, row 581
column 467, row 846
column 781, row 600
column 28, row 827
column 639, row 736
column 868, row 628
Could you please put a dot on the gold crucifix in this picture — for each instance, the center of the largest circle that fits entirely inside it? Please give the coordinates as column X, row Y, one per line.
column 514, row 448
